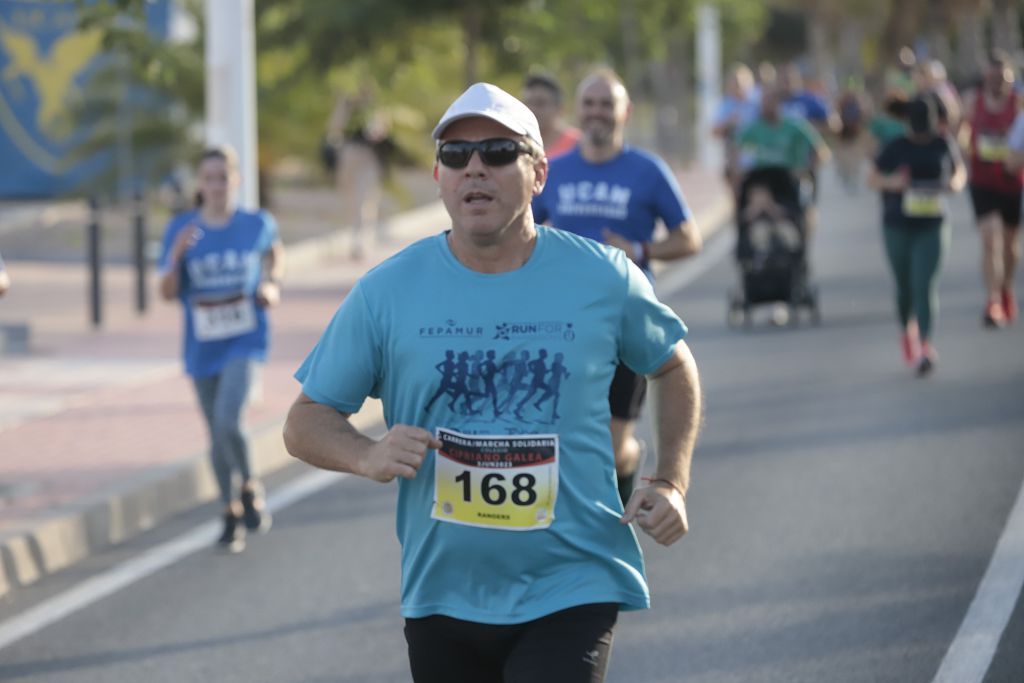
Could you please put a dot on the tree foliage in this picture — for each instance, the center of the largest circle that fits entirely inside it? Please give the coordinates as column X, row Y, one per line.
column 141, row 103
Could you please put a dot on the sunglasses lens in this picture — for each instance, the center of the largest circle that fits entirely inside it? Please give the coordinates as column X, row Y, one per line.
column 499, row 152
column 455, row 154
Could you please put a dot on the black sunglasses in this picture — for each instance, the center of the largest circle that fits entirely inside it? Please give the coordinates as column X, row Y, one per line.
column 493, row 152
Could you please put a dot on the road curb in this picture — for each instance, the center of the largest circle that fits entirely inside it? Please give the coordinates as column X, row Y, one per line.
column 121, row 513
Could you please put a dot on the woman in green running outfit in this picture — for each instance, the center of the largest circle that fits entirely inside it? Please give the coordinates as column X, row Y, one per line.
column 915, row 172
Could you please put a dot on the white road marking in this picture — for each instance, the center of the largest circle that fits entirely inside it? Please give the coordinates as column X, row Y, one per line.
column 970, row 656
column 96, row 588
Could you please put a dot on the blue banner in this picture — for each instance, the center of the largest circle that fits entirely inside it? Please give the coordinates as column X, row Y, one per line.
column 45, row 62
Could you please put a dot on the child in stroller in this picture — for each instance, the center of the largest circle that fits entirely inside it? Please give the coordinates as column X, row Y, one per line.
column 771, row 247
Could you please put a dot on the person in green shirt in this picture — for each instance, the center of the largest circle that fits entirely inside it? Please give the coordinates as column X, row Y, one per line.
column 891, row 122
column 774, row 140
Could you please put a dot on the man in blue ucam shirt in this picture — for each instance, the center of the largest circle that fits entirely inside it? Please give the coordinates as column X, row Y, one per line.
column 491, row 346
column 615, row 193
column 799, row 102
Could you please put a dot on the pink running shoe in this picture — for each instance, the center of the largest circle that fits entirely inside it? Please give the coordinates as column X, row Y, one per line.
column 995, row 316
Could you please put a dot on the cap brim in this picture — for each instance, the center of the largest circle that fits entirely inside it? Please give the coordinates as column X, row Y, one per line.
column 497, row 118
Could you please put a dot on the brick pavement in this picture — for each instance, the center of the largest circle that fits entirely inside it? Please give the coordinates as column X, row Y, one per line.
column 100, row 437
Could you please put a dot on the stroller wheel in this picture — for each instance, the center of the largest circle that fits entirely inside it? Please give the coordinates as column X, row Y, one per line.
column 794, row 315
column 735, row 313
column 813, row 305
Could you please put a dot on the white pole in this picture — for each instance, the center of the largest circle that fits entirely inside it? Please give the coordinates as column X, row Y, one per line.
column 709, row 84
column 231, row 88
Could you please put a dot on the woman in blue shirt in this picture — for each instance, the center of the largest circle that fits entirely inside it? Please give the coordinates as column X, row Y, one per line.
column 224, row 264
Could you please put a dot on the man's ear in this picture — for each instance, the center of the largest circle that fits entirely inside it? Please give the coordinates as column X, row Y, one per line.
column 540, row 175
column 435, row 172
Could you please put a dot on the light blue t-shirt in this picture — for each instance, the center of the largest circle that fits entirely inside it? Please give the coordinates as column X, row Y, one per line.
column 526, row 352
column 219, row 278
column 1015, row 139
column 743, row 110
column 627, row 194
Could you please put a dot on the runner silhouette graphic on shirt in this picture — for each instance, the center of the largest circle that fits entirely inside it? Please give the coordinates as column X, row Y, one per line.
column 460, row 386
column 447, row 370
column 486, row 371
column 538, row 368
column 474, row 372
column 519, row 368
column 558, row 372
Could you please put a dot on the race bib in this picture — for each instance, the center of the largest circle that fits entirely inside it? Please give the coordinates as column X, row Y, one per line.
column 213, row 321
column 923, row 204
column 496, row 481
column 992, row 148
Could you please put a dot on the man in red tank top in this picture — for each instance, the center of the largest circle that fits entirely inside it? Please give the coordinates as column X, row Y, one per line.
column 995, row 191
column 543, row 95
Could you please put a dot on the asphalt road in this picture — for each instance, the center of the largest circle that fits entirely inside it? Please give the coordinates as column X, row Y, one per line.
column 842, row 515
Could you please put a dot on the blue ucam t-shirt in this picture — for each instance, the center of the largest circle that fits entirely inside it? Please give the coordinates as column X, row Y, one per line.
column 518, row 515
column 219, row 278
column 805, row 105
column 627, row 194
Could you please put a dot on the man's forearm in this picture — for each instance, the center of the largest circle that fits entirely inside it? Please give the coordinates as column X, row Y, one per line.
column 322, row 437
column 677, row 412
column 682, row 242
column 274, row 262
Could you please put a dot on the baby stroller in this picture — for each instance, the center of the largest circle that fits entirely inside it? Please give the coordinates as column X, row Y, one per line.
column 771, row 248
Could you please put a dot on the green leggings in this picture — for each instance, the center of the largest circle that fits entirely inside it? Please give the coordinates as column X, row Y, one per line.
column 915, row 255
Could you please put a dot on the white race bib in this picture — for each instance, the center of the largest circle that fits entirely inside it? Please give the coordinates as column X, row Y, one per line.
column 923, row 203
column 213, row 321
column 496, row 481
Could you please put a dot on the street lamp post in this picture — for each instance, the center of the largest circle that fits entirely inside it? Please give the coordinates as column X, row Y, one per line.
column 231, row 88
column 709, row 79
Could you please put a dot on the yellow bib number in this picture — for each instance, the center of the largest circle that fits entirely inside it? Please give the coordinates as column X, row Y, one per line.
column 992, row 148
column 496, row 481
column 922, row 204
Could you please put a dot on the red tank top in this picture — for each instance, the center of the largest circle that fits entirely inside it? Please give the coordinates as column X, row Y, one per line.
column 563, row 144
column 989, row 147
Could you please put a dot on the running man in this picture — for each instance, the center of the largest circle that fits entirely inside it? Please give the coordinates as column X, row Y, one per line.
column 995, row 191
column 783, row 141
column 543, row 95
column 515, row 559
column 616, row 193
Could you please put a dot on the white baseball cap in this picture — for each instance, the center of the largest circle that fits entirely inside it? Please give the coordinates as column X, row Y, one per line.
column 490, row 101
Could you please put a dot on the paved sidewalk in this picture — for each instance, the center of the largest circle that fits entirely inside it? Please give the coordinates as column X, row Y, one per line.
column 100, row 435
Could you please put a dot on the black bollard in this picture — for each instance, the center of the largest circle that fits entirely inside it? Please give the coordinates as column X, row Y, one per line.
column 140, row 252
column 95, row 288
